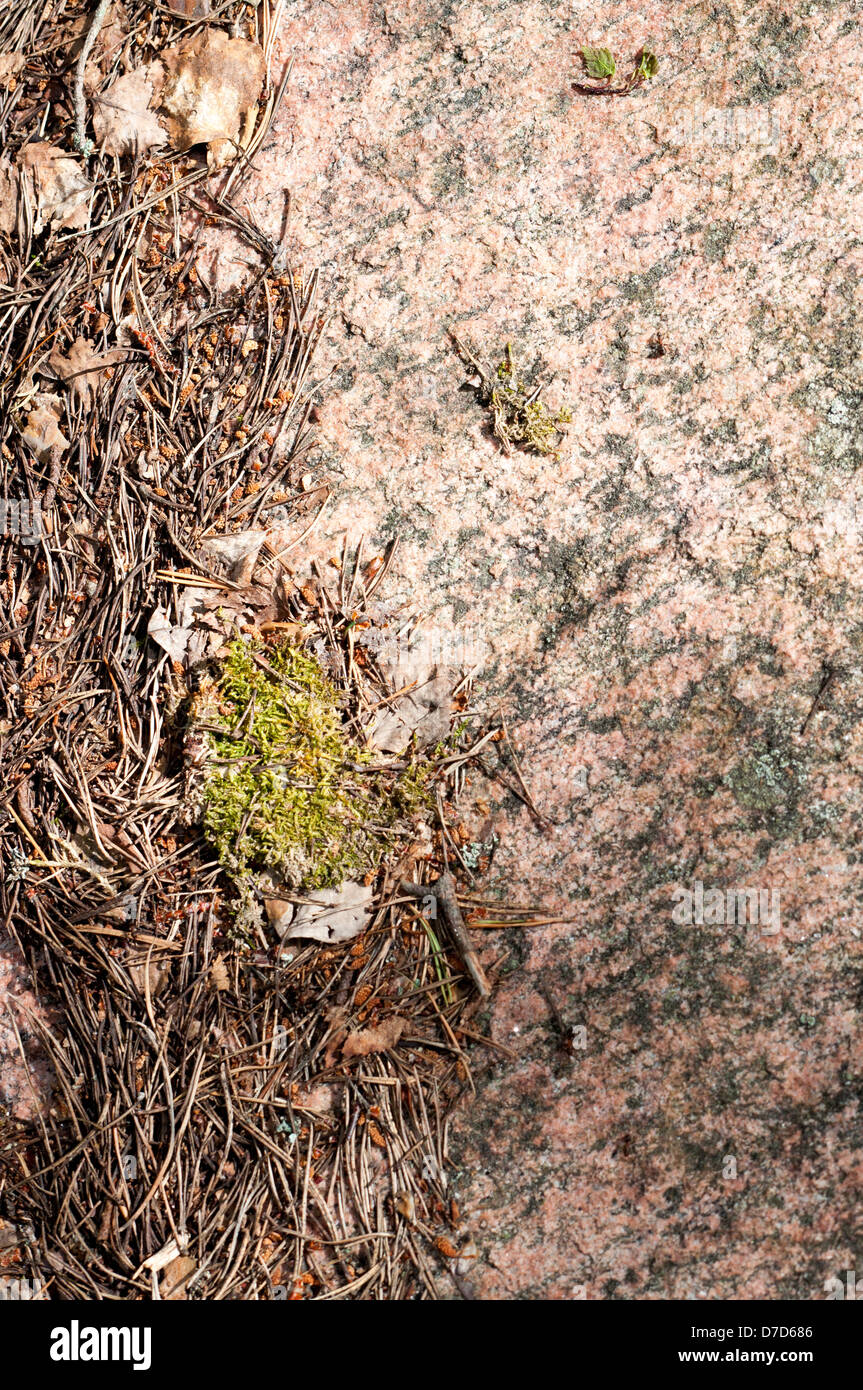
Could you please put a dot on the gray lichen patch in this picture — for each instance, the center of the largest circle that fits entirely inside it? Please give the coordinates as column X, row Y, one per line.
column 764, row 781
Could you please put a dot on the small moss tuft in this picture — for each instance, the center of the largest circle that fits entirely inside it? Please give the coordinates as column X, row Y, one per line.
column 284, row 787
column 521, row 419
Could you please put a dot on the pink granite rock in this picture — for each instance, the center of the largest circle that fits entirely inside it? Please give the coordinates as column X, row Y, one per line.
column 673, row 608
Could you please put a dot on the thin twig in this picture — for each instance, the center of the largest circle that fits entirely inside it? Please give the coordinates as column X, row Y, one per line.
column 80, row 142
column 444, row 893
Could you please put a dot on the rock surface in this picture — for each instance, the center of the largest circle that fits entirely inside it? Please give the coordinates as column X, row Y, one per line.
column 673, row 609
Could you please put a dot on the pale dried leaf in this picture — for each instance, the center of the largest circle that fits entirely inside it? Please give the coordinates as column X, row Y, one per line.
column 41, row 432
column 378, row 1039
column 190, row 601
column 10, row 65
column 124, row 121
column 208, row 614
column 212, row 84
column 59, row 192
column 8, row 197
column 425, row 709
column 190, row 9
column 333, row 914
column 81, row 368
column 237, row 554
column 219, row 978
column 149, row 978
column 221, row 152
column 203, row 646
column 171, row 639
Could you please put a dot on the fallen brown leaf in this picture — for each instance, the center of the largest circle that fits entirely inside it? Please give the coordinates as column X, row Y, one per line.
column 172, row 1285
column 41, row 432
column 330, row 914
column 10, row 65
column 172, row 638
column 236, row 554
column 212, row 86
column 124, row 121
column 8, row 197
column 378, row 1039
column 59, row 191
column 81, row 368
column 149, row 978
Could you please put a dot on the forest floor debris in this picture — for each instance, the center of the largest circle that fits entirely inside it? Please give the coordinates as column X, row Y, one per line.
column 237, row 1114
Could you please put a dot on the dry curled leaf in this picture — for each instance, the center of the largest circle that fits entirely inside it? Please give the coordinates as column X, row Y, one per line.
column 41, row 432
column 219, row 979
column 81, row 368
column 378, row 1039
column 425, row 707
column 237, row 554
column 149, row 978
column 58, row 191
column 172, row 639
column 332, row 914
column 211, row 89
column 124, row 119
column 8, row 197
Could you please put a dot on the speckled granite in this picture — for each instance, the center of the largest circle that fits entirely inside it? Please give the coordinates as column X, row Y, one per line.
column 673, row 609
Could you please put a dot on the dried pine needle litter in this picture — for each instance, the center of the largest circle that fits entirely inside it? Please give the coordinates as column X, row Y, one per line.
column 234, row 1116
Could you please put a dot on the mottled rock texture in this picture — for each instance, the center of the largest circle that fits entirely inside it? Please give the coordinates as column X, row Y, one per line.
column 672, row 609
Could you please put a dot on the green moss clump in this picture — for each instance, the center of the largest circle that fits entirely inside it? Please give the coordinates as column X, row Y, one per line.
column 521, row 419
column 284, row 787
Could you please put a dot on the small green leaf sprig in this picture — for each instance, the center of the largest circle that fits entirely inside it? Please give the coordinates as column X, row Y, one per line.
column 598, row 63
column 600, row 66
